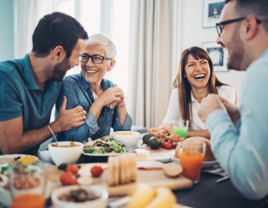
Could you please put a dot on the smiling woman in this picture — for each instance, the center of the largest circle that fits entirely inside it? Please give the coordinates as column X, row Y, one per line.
column 100, row 98
column 195, row 80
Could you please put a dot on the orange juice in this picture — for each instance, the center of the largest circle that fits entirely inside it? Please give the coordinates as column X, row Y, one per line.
column 28, row 201
column 191, row 163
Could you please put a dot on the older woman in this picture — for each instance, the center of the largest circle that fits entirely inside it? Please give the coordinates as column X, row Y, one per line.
column 195, row 80
column 96, row 95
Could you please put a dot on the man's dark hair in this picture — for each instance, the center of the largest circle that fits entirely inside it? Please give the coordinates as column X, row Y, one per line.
column 257, row 8
column 57, row 29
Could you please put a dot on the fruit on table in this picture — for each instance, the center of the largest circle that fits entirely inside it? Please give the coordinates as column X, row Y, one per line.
column 96, row 171
column 154, row 142
column 164, row 198
column 142, row 194
column 72, row 168
column 68, row 178
column 146, row 138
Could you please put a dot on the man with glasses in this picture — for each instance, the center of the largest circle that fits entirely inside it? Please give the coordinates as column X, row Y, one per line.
column 103, row 102
column 30, row 86
column 239, row 137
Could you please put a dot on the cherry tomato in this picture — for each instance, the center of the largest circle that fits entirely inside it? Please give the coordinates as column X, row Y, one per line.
column 163, row 143
column 72, row 168
column 67, row 179
column 168, row 145
column 96, row 171
column 174, row 145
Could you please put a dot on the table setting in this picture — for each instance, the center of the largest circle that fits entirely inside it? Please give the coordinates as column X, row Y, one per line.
column 114, row 171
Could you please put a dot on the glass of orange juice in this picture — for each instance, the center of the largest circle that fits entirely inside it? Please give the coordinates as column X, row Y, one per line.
column 27, row 185
column 191, row 159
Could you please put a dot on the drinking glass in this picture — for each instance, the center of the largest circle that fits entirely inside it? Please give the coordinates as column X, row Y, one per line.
column 180, row 127
column 27, row 188
column 191, row 156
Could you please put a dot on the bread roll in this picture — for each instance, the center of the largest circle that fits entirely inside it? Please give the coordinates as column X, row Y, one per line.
column 208, row 154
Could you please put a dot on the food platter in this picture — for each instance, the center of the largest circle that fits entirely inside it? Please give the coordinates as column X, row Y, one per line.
column 8, row 158
column 206, row 164
column 103, row 155
column 161, row 157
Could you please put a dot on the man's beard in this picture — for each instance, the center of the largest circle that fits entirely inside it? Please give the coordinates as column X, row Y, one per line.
column 236, row 52
column 60, row 69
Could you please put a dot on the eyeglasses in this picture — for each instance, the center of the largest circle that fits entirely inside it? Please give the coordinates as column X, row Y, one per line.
column 96, row 59
column 219, row 26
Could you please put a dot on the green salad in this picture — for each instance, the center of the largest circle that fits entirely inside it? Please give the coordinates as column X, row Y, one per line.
column 104, row 146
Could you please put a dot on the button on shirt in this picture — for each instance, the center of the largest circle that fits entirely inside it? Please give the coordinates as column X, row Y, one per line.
column 79, row 93
column 20, row 96
column 241, row 149
column 173, row 112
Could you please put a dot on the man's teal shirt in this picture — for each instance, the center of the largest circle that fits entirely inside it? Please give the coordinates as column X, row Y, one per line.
column 20, row 96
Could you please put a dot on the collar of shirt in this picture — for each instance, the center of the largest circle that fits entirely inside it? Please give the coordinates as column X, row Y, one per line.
column 86, row 85
column 193, row 99
column 29, row 78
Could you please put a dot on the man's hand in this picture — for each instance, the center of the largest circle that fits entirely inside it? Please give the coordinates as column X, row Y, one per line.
column 69, row 119
column 208, row 105
column 232, row 110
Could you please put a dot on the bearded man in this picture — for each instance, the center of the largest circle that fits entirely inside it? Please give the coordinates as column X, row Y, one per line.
column 239, row 137
column 30, row 86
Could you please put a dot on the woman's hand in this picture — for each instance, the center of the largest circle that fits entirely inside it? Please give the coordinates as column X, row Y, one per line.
column 167, row 127
column 110, row 96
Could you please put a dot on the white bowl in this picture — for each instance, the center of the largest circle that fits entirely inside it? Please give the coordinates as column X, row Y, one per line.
column 101, row 202
column 68, row 155
column 129, row 140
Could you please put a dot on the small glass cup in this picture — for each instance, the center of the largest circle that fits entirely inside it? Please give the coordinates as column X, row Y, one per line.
column 180, row 127
column 27, row 188
column 191, row 156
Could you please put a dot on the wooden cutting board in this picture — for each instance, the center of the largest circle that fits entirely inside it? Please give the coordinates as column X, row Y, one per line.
column 151, row 177
column 146, row 147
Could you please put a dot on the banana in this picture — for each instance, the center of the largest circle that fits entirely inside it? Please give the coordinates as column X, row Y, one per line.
column 164, row 199
column 141, row 195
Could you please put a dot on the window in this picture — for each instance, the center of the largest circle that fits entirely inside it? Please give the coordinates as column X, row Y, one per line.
column 109, row 17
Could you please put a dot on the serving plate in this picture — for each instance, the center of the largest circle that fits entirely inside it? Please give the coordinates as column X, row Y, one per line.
column 161, row 157
column 103, row 155
column 8, row 158
column 206, row 164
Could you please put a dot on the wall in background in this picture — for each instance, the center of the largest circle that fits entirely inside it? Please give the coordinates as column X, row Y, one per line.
column 6, row 30
column 193, row 34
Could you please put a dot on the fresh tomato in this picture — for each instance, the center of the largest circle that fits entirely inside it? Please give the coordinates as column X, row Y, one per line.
column 72, row 168
column 163, row 143
column 174, row 145
column 168, row 145
column 67, row 179
column 96, row 171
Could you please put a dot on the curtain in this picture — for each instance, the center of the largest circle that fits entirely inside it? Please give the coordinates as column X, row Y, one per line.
column 27, row 15
column 153, row 58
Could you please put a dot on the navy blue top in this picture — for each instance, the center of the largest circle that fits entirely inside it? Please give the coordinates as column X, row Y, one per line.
column 20, row 96
column 78, row 92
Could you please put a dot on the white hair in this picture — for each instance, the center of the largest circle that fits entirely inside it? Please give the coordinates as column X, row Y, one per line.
column 105, row 43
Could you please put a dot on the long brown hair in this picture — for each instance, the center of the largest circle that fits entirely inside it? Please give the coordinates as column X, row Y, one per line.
column 183, row 85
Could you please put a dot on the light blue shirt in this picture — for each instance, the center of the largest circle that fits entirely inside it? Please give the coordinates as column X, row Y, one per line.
column 242, row 149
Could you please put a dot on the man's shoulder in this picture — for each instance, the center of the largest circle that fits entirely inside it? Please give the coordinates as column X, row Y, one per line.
column 11, row 70
column 10, row 67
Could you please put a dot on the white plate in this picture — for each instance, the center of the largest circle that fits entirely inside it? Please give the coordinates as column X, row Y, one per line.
column 161, row 157
column 206, row 164
column 103, row 155
column 5, row 158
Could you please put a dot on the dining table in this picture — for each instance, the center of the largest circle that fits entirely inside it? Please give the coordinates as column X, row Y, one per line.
column 205, row 194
